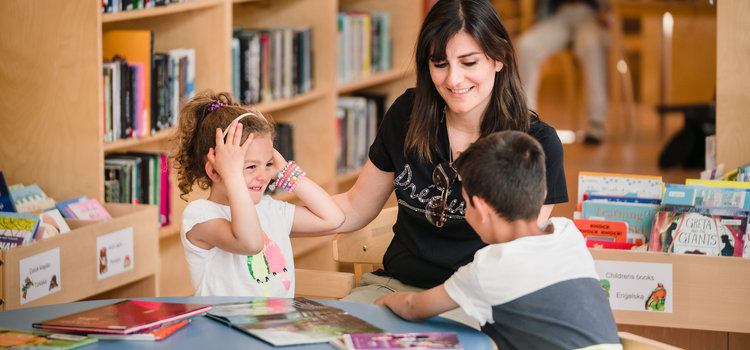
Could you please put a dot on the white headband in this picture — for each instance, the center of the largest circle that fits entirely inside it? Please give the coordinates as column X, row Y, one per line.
column 224, row 134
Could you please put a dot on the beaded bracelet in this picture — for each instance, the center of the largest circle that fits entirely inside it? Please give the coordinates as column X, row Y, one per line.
column 289, row 177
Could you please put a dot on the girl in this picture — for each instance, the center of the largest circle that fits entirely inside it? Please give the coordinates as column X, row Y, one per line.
column 237, row 240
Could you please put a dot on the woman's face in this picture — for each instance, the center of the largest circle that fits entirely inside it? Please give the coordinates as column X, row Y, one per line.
column 466, row 78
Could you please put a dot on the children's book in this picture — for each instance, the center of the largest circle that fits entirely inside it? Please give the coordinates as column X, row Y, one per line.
column 718, row 183
column 706, row 196
column 22, row 339
column 89, row 210
column 155, row 334
column 642, row 186
column 597, row 243
column 613, row 231
column 638, row 216
column 124, row 317
column 290, row 321
column 6, row 201
column 626, row 199
column 17, row 229
column 385, row 341
column 62, row 206
column 699, row 231
column 31, row 199
column 51, row 223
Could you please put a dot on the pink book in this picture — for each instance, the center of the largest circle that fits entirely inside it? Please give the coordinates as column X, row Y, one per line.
column 164, row 203
column 89, row 210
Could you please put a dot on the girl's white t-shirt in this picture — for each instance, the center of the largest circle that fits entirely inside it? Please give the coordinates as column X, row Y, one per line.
column 216, row 272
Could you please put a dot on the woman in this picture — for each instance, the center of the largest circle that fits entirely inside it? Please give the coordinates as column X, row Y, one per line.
column 467, row 87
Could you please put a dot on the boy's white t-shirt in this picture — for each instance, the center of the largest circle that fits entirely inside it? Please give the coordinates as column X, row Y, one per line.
column 216, row 272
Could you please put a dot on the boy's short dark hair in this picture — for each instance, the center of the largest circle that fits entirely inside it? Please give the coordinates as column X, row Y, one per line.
column 507, row 170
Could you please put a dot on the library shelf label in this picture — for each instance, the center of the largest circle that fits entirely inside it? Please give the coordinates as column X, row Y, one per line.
column 40, row 275
column 114, row 253
column 637, row 286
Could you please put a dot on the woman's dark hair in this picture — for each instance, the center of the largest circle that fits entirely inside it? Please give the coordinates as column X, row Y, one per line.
column 196, row 134
column 507, row 108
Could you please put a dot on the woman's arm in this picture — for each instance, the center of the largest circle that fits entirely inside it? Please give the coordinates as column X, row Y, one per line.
column 544, row 214
column 364, row 201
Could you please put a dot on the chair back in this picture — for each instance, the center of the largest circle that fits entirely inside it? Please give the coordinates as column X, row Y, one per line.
column 366, row 247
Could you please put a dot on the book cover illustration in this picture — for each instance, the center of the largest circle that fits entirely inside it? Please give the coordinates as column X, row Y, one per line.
column 706, row 196
column 695, row 231
column 62, row 206
column 89, row 210
column 384, row 341
column 51, row 223
column 6, row 201
column 613, row 231
column 17, row 229
column 124, row 317
column 618, row 185
column 22, row 339
column 289, row 321
column 639, row 217
column 31, row 199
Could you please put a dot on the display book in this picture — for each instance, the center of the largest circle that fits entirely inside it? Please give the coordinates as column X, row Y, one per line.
column 290, row 321
column 125, row 317
column 702, row 218
column 36, row 219
column 609, row 197
column 384, row 341
column 39, row 340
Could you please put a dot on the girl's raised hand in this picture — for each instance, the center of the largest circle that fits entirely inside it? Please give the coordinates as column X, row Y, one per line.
column 229, row 156
column 279, row 162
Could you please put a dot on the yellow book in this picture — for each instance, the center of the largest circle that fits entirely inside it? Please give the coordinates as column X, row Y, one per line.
column 134, row 46
column 718, row 183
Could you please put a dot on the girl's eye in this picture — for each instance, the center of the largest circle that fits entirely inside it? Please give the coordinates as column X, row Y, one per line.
column 469, row 64
column 269, row 164
column 440, row 65
column 251, row 167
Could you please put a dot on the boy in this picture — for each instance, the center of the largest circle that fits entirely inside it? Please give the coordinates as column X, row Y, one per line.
column 531, row 287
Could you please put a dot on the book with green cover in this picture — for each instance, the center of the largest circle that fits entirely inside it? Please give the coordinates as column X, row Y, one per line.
column 287, row 321
column 22, row 339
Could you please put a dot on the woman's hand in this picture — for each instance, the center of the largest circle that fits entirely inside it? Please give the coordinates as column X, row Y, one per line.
column 228, row 157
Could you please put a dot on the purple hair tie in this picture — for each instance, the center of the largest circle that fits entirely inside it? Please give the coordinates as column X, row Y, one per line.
column 216, row 104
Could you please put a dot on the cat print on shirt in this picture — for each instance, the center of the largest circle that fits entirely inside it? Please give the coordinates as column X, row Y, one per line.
column 269, row 263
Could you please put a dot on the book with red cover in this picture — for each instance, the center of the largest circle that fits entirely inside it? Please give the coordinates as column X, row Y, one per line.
column 124, row 317
column 154, row 334
column 615, row 231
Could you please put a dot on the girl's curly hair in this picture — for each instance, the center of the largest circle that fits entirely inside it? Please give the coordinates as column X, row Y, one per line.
column 196, row 134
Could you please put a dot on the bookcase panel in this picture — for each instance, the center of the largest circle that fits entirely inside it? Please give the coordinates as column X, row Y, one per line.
column 49, row 107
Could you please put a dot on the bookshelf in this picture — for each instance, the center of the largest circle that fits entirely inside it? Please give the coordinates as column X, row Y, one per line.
column 52, row 90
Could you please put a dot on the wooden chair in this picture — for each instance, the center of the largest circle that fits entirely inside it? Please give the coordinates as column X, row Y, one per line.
column 318, row 284
column 365, row 248
column 631, row 341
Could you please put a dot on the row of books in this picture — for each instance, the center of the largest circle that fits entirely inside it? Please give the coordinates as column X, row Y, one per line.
column 29, row 215
column 357, row 121
column 142, row 90
column 114, row 6
column 277, row 321
column 363, row 44
column 139, row 178
column 707, row 217
column 271, row 64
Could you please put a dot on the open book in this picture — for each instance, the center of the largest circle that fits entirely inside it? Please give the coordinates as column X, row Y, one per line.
column 384, row 341
column 285, row 321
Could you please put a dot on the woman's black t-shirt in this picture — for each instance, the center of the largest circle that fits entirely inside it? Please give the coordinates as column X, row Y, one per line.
column 421, row 254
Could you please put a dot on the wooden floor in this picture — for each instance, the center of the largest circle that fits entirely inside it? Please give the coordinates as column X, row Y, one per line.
column 631, row 146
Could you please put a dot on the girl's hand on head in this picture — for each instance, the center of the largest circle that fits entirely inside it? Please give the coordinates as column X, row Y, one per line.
column 279, row 162
column 229, row 156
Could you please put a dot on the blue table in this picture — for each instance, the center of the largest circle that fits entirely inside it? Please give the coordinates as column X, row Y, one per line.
column 204, row 333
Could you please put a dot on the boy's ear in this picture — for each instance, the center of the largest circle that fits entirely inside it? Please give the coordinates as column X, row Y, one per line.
column 482, row 207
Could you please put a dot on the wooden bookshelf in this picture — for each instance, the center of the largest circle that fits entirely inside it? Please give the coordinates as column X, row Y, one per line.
column 54, row 93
